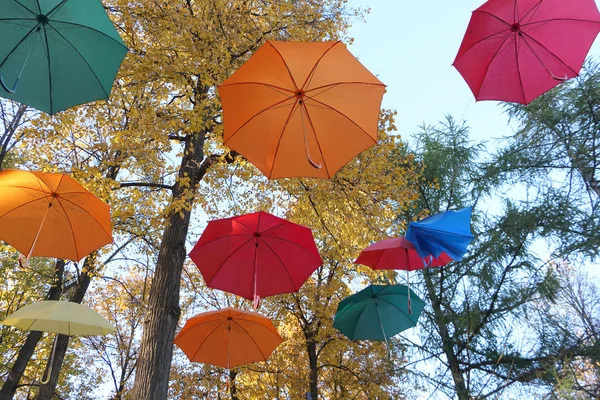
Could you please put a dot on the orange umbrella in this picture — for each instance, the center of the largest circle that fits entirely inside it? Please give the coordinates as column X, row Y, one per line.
column 228, row 338
column 298, row 109
column 51, row 215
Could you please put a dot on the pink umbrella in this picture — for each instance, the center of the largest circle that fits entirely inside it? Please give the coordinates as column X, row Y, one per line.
column 516, row 50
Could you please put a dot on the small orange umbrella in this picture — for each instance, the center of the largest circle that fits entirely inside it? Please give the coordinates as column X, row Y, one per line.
column 301, row 109
column 228, row 338
column 51, row 215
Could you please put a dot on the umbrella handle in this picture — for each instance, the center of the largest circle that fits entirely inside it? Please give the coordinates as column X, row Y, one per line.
column 49, row 371
column 14, row 88
column 311, row 162
column 558, row 78
column 5, row 86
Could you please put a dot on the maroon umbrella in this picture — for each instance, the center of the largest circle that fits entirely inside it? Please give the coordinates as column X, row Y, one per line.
column 516, row 50
column 398, row 253
column 256, row 255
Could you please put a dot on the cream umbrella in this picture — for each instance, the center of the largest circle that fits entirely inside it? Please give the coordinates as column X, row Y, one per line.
column 61, row 317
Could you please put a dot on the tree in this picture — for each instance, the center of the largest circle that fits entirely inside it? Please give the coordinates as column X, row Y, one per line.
column 477, row 306
column 13, row 116
column 556, row 153
column 183, row 68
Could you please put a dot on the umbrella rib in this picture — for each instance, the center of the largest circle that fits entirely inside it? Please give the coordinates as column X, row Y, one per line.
column 206, row 338
column 71, row 225
column 305, row 109
column 252, row 338
column 393, row 305
column 314, row 68
column 256, row 115
column 533, row 9
column 86, row 211
column 276, row 88
column 557, row 19
column 221, row 238
column 286, row 66
column 282, row 264
column 228, row 257
column 56, row 7
column 289, row 241
column 367, row 304
column 54, row 21
column 550, row 52
column 19, row 206
column 332, row 85
column 493, row 16
column 24, row 6
column 491, row 62
column 15, row 19
column 84, row 60
column 49, row 68
column 342, row 114
column 17, row 45
column 441, row 231
column 519, row 67
column 283, row 223
column 480, row 41
column 289, row 118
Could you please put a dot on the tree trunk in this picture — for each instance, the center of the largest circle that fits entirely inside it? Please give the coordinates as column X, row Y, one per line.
column 311, row 347
column 47, row 391
column 232, row 387
column 18, row 369
column 9, row 133
column 156, row 348
column 447, row 344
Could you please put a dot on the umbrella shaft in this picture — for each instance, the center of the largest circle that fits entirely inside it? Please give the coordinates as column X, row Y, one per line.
column 37, row 235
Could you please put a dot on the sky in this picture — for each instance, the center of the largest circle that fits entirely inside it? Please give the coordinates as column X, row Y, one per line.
column 410, row 46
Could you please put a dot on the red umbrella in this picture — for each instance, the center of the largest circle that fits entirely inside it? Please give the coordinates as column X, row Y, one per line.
column 256, row 255
column 398, row 253
column 517, row 50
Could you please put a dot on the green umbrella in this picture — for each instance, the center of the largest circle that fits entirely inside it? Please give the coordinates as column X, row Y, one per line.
column 377, row 312
column 56, row 54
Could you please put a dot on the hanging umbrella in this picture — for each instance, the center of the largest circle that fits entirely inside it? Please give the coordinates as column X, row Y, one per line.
column 398, row 253
column 298, row 109
column 228, row 338
column 256, row 255
column 377, row 312
column 51, row 215
column 517, row 50
column 448, row 232
column 60, row 317
column 56, row 54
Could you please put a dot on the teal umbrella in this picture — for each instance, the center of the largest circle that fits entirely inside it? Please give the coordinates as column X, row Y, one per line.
column 56, row 54
column 377, row 312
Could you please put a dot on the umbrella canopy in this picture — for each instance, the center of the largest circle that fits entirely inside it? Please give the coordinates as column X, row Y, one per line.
column 448, row 232
column 301, row 109
column 397, row 253
column 517, row 50
column 228, row 338
column 256, row 255
column 56, row 54
column 51, row 215
column 62, row 317
column 377, row 312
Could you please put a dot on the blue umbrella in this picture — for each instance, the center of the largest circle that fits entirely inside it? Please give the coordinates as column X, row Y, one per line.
column 448, row 232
